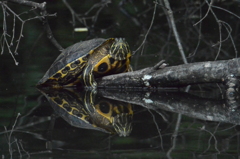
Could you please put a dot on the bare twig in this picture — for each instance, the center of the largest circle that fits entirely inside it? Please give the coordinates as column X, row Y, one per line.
column 9, row 136
column 229, row 30
column 83, row 19
column 72, row 12
column 43, row 18
column 226, row 11
column 173, row 26
column 212, row 135
column 158, row 129
column 220, row 24
column 199, row 35
column 219, row 27
column 145, row 37
column 174, row 136
column 209, row 8
column 20, row 143
column 4, row 40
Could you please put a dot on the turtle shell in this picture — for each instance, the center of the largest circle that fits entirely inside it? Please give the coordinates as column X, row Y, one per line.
column 67, row 69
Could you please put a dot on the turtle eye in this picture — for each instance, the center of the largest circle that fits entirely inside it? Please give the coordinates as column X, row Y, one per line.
column 103, row 67
column 119, row 49
column 104, row 107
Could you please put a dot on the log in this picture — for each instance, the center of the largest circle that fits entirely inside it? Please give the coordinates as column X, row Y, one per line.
column 174, row 76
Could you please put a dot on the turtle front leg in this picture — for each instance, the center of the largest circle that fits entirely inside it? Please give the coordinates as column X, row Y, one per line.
column 88, row 78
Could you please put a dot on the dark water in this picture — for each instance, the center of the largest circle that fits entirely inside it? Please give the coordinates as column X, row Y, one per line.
column 164, row 124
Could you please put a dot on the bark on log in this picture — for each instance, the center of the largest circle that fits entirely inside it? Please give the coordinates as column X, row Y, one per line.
column 174, row 76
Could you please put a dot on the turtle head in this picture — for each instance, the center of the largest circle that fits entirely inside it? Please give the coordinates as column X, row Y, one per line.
column 122, row 124
column 119, row 49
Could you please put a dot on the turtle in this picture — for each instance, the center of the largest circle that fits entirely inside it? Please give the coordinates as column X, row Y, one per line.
column 85, row 109
column 84, row 61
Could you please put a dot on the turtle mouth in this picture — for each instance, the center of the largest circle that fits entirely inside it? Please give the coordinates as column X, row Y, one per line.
column 119, row 49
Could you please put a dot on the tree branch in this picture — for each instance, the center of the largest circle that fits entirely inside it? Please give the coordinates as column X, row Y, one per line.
column 43, row 18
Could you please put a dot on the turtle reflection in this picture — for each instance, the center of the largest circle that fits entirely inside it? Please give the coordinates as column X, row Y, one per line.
column 87, row 110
